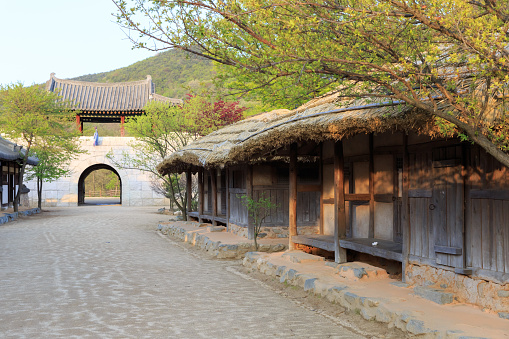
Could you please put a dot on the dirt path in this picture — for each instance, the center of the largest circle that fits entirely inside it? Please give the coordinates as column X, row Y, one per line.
column 103, row 271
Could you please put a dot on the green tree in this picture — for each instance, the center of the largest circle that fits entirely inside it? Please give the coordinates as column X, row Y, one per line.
column 112, row 181
column 33, row 116
column 258, row 209
column 165, row 129
column 54, row 154
column 160, row 131
column 448, row 58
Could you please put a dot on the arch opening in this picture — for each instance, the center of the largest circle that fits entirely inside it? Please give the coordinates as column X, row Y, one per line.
column 99, row 184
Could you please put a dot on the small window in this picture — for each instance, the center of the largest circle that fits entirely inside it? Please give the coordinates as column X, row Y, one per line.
column 308, row 173
column 238, row 179
column 283, row 175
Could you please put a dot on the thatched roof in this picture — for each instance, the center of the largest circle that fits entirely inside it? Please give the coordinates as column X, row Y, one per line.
column 252, row 139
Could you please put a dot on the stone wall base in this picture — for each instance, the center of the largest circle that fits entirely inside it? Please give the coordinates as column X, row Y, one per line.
column 273, row 232
column 486, row 294
column 215, row 248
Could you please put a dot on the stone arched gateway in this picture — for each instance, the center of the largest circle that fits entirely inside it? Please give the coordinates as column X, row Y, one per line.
column 84, row 175
column 136, row 184
column 103, row 103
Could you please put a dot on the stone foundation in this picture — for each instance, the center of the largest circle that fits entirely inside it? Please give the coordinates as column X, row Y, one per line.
column 486, row 294
column 273, row 232
column 6, row 217
column 215, row 248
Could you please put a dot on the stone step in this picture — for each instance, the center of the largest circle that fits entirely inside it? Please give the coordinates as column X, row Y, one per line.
column 301, row 257
column 358, row 270
column 436, row 295
column 216, row 228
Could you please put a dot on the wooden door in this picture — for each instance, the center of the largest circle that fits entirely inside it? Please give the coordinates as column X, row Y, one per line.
column 447, row 206
column 222, row 190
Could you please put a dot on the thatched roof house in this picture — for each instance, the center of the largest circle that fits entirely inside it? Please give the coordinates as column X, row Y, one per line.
column 360, row 179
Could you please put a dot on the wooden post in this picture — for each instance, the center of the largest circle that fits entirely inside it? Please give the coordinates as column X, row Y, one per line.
column 79, row 124
column 189, row 192
column 405, row 209
column 249, row 193
column 122, row 121
column 339, row 202
column 227, row 181
column 293, row 196
column 371, row 231
column 321, row 189
column 213, row 181
column 200, row 194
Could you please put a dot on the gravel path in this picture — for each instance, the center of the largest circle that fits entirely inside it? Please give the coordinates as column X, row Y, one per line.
column 103, row 272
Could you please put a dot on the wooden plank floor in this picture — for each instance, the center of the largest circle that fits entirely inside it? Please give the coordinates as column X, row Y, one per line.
column 384, row 248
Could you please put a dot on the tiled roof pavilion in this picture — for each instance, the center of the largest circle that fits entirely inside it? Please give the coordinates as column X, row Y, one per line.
column 107, row 102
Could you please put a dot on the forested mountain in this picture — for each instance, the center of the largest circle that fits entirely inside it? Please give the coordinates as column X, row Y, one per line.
column 173, row 73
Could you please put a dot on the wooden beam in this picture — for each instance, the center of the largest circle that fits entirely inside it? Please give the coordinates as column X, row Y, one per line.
column 339, row 203
column 200, row 193
column 371, row 231
column 448, row 250
column 309, row 188
column 293, row 195
column 357, row 197
column 213, row 181
column 189, row 193
column 249, row 193
column 405, row 208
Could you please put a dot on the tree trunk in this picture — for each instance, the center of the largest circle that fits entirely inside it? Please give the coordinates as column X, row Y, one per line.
column 39, row 193
column 18, row 193
column 182, row 207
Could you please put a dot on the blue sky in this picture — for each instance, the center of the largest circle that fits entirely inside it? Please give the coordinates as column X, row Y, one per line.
column 68, row 37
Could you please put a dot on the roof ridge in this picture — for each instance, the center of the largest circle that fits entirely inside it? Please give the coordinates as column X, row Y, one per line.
column 148, row 80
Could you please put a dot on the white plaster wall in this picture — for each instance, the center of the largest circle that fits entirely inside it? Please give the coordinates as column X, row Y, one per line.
column 136, row 190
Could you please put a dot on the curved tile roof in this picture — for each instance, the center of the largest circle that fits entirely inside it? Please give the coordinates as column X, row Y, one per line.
column 9, row 151
column 96, row 96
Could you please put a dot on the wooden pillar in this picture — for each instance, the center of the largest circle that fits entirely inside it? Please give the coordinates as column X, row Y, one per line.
column 189, row 192
column 321, row 188
column 405, row 208
column 339, row 202
column 200, row 194
column 227, row 181
column 249, row 193
column 371, row 231
column 79, row 124
column 122, row 121
column 213, row 181
column 293, row 196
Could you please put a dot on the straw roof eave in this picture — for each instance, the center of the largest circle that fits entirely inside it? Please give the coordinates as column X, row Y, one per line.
column 237, row 143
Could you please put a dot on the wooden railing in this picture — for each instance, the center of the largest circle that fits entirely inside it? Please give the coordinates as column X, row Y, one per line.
column 103, row 193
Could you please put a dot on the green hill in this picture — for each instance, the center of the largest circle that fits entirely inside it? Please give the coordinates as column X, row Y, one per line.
column 173, row 73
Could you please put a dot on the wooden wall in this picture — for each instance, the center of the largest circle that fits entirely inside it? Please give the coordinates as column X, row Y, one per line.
column 487, row 213
column 267, row 183
column 420, row 183
column 459, row 208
